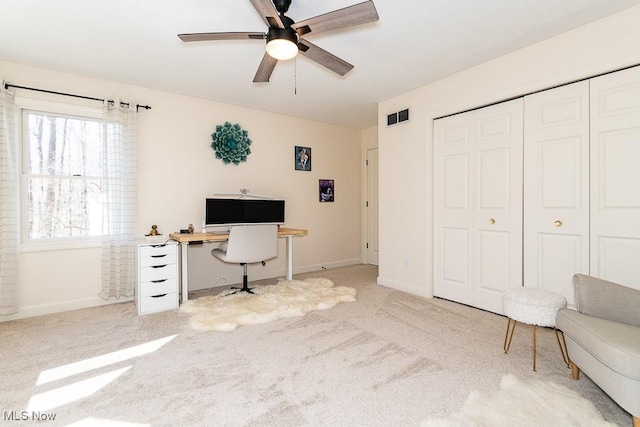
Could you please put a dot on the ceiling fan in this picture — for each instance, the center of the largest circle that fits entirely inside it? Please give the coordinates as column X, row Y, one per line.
column 284, row 37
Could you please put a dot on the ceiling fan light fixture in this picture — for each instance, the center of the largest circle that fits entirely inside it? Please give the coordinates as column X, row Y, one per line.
column 282, row 43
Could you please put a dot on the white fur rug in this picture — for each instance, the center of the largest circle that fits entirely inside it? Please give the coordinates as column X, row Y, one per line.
column 292, row 298
column 524, row 403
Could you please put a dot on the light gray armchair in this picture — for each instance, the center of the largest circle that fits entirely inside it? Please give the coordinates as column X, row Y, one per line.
column 603, row 338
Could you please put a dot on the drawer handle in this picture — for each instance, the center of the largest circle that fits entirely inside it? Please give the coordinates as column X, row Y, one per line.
column 159, row 281
column 158, row 296
column 159, row 266
column 158, row 256
column 158, row 246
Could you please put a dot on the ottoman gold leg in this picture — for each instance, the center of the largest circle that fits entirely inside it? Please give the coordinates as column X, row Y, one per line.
column 563, row 346
column 534, row 347
column 509, row 335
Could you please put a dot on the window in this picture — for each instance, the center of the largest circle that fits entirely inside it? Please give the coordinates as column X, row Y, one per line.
column 62, row 176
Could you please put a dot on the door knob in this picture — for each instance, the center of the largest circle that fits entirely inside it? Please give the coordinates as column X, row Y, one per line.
column 492, row 221
column 558, row 223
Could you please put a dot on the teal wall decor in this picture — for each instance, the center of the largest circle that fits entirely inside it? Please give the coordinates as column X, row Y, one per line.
column 231, row 143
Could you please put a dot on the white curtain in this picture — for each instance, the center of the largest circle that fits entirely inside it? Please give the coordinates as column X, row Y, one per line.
column 120, row 201
column 9, row 205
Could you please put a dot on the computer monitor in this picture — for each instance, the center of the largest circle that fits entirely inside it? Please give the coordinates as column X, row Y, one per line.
column 221, row 212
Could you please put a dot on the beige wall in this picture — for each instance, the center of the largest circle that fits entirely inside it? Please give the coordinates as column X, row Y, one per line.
column 405, row 175
column 178, row 170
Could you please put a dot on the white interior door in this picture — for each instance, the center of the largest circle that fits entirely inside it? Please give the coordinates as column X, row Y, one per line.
column 452, row 207
column 556, row 187
column 372, row 206
column 478, row 205
column 615, row 177
column 497, row 203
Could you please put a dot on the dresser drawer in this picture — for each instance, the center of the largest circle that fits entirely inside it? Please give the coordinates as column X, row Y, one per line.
column 157, row 281
column 158, row 287
column 158, row 272
column 152, row 304
column 157, row 255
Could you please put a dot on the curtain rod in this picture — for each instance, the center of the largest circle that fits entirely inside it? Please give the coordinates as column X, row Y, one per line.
column 8, row 85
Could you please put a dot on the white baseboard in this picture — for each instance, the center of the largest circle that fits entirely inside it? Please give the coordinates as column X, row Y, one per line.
column 44, row 309
column 325, row 266
column 421, row 292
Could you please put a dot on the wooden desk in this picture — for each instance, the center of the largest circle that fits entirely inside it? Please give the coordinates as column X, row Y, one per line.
column 184, row 240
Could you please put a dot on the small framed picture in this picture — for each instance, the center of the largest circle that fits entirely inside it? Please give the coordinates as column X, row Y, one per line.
column 302, row 158
column 327, row 192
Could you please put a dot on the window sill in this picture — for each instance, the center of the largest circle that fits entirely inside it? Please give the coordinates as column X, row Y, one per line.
column 60, row 244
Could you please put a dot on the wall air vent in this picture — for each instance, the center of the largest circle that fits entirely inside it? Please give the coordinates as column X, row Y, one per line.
column 398, row 117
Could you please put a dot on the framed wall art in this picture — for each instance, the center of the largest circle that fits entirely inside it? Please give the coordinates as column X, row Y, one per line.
column 302, row 158
column 327, row 190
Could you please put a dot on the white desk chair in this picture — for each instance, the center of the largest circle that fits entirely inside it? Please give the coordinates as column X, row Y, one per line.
column 248, row 244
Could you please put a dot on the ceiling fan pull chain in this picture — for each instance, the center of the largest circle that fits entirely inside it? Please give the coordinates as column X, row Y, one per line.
column 295, row 75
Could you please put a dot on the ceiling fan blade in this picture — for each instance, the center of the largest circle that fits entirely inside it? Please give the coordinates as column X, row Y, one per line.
column 265, row 69
column 268, row 12
column 323, row 57
column 199, row 37
column 358, row 14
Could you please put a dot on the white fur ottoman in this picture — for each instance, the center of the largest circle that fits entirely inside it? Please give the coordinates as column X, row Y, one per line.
column 535, row 307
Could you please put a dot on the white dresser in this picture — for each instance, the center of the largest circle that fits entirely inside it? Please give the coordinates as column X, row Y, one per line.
column 157, row 284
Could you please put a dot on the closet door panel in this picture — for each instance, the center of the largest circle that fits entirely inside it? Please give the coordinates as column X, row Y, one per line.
column 497, row 203
column 455, row 182
column 494, row 179
column 560, row 256
column 452, row 214
column 455, row 260
column 478, row 205
column 615, row 176
column 617, row 259
column 556, row 187
column 494, row 252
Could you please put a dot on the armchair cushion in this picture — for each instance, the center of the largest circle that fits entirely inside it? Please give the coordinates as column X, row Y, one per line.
column 613, row 344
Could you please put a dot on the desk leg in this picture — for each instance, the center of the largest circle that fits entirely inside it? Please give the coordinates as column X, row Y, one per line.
column 184, row 280
column 289, row 262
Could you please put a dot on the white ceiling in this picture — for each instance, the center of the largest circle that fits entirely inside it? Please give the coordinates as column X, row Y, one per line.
column 415, row 42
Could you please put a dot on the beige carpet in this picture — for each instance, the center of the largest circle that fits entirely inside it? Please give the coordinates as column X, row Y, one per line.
column 387, row 359
column 288, row 298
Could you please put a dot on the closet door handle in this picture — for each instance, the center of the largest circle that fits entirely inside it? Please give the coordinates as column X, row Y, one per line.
column 492, row 221
column 557, row 223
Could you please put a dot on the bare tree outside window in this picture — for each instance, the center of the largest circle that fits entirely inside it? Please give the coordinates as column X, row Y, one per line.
column 62, row 175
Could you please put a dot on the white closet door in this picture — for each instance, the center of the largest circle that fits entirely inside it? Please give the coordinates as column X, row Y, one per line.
column 478, row 205
column 497, row 203
column 615, row 177
column 452, row 207
column 556, row 187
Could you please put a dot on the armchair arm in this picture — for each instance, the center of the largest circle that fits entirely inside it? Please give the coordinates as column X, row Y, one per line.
column 607, row 300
